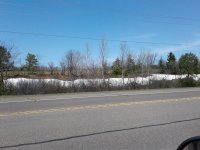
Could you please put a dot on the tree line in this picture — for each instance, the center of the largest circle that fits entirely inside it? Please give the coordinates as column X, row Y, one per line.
column 76, row 65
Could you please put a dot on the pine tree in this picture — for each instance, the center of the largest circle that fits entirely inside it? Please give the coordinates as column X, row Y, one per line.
column 31, row 62
column 171, row 64
column 116, row 67
column 5, row 64
column 130, row 66
column 162, row 66
column 188, row 64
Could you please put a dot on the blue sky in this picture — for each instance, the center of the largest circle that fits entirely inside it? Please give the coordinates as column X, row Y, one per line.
column 169, row 21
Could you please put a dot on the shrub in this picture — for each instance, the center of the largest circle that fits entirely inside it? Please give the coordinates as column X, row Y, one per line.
column 39, row 87
column 163, row 84
column 43, row 87
column 6, row 89
column 187, row 82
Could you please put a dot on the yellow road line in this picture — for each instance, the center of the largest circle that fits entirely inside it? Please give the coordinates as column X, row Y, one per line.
column 62, row 109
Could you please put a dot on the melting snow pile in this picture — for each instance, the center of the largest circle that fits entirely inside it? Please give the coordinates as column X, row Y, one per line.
column 111, row 81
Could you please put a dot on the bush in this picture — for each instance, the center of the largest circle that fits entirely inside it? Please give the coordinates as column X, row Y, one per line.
column 133, row 85
column 43, row 87
column 39, row 87
column 1, row 88
column 163, row 84
column 187, row 82
column 6, row 89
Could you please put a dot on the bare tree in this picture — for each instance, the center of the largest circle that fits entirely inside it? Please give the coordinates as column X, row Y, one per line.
column 124, row 51
column 102, row 53
column 146, row 60
column 150, row 60
column 141, row 62
column 63, row 66
column 88, row 61
column 73, row 62
column 51, row 67
column 94, row 70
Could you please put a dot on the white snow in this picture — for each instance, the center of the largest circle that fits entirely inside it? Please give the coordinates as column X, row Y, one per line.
column 112, row 81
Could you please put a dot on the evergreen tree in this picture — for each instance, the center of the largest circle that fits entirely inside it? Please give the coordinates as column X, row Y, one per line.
column 31, row 62
column 162, row 66
column 188, row 64
column 199, row 68
column 130, row 66
column 171, row 64
column 116, row 67
column 5, row 64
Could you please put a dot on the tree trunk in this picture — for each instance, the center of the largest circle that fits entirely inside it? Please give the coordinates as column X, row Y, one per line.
column 149, row 77
column 1, row 82
column 103, row 75
column 123, row 78
column 188, row 75
column 6, row 74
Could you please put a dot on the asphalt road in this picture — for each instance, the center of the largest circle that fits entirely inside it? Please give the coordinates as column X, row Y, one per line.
column 149, row 119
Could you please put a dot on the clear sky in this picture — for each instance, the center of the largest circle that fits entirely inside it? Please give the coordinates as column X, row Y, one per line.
column 156, row 21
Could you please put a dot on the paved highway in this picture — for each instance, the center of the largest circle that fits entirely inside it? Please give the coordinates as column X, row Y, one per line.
column 146, row 119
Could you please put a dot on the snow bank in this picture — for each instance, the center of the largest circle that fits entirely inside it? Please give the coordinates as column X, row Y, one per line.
column 111, row 81
column 15, row 81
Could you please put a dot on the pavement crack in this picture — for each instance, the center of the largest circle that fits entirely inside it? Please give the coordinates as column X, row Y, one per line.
column 97, row 133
